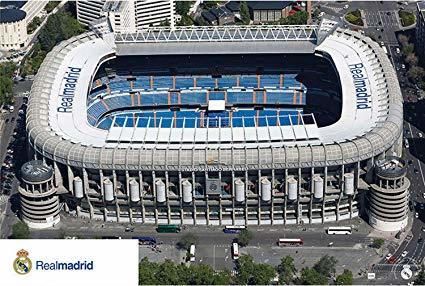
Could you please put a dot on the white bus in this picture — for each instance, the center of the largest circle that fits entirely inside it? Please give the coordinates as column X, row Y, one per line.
column 235, row 249
column 233, row 228
column 290, row 241
column 192, row 253
column 339, row 230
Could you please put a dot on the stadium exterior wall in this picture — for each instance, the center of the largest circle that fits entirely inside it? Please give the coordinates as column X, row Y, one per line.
column 288, row 168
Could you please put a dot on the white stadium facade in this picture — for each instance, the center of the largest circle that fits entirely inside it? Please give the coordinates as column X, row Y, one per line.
column 116, row 156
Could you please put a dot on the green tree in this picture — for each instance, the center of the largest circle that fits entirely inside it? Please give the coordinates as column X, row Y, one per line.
column 403, row 39
column 346, row 278
column 34, row 24
column 420, row 279
column 183, row 7
column 147, row 272
column 244, row 237
column 377, row 243
column 51, row 6
column 209, row 4
column 286, row 270
column 310, row 276
column 59, row 27
column 407, row 49
column 326, row 265
column 186, row 20
column 168, row 273
column 6, row 86
column 411, row 59
column 299, row 18
column 252, row 273
column 202, row 274
column 244, row 11
column 186, row 240
column 20, row 230
column 416, row 74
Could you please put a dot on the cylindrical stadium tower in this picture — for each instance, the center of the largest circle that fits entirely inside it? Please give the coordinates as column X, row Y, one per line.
column 39, row 201
column 389, row 195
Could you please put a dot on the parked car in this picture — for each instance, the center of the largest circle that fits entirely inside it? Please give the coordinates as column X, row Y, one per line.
column 404, row 254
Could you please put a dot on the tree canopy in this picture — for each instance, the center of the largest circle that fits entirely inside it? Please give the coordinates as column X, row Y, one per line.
column 20, row 230
column 7, row 70
column 299, row 18
column 251, row 273
column 346, row 278
column 326, row 265
column 244, row 237
column 60, row 26
column 244, row 11
column 170, row 273
column 286, row 270
column 377, row 243
column 182, row 7
column 309, row 276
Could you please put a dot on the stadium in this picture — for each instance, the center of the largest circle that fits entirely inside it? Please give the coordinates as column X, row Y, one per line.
column 266, row 125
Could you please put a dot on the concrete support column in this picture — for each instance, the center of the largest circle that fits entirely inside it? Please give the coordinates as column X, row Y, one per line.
column 180, row 194
column 272, row 200
column 285, row 196
column 233, row 198
column 155, row 203
column 246, row 197
column 310, row 211
column 298, row 214
column 167, row 187
column 86, row 190
column 194, row 198
column 259, row 198
column 324, row 194
column 219, row 203
column 117, row 206
column 341, row 192
column 70, row 180
column 141, row 197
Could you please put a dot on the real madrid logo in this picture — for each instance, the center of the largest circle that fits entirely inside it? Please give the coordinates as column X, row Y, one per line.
column 22, row 264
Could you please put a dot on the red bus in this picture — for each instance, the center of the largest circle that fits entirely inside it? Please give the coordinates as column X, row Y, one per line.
column 290, row 241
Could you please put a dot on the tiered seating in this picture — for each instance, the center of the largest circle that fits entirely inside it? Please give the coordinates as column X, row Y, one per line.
column 105, row 123
column 162, row 82
column 227, row 81
column 184, row 82
column 234, row 97
column 205, row 82
column 96, row 110
column 153, row 98
column 193, row 97
column 118, row 101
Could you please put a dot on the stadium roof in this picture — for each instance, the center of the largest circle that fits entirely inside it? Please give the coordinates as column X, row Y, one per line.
column 371, row 120
column 11, row 15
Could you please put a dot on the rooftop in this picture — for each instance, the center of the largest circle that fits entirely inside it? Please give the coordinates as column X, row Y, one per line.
column 11, row 15
column 17, row 4
column 268, row 5
column 220, row 12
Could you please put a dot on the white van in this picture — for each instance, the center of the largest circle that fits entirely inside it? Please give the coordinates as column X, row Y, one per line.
column 192, row 253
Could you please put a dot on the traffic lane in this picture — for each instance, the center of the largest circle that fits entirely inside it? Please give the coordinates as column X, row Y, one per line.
column 218, row 237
